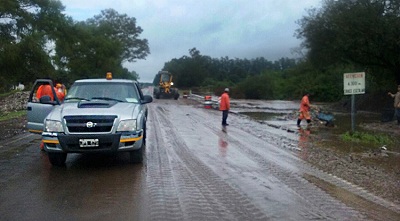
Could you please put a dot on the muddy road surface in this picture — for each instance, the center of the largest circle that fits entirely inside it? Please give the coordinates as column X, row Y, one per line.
column 193, row 170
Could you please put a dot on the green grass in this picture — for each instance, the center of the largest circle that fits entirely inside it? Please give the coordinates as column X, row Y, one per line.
column 7, row 94
column 365, row 137
column 12, row 115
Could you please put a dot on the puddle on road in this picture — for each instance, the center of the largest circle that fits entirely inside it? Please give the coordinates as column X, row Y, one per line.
column 342, row 125
column 264, row 116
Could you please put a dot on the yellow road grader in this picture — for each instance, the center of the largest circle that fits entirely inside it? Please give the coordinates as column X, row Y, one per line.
column 163, row 86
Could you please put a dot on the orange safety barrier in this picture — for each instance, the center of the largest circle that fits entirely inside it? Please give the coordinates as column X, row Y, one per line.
column 207, row 102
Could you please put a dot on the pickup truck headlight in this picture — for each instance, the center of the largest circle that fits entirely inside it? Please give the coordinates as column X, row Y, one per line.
column 53, row 126
column 127, row 125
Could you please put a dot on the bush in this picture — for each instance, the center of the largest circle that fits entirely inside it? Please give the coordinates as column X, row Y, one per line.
column 364, row 137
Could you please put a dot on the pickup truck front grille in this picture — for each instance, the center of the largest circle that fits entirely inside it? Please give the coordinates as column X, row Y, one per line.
column 90, row 123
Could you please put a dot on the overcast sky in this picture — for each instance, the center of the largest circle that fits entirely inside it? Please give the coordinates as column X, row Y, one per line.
column 217, row 28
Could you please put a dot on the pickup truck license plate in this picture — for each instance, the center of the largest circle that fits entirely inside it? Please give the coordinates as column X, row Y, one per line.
column 88, row 142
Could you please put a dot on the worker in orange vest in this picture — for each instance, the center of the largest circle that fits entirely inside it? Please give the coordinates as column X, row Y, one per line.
column 304, row 110
column 61, row 88
column 224, row 106
column 45, row 89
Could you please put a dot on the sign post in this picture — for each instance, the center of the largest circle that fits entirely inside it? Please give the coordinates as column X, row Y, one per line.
column 353, row 83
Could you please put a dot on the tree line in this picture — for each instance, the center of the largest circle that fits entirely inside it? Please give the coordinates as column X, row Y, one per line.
column 38, row 41
column 258, row 78
column 341, row 36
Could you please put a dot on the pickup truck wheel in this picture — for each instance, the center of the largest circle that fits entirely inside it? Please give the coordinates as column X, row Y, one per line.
column 136, row 156
column 144, row 134
column 57, row 159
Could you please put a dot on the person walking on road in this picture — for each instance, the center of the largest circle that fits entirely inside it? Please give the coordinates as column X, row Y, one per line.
column 304, row 110
column 224, row 106
column 396, row 104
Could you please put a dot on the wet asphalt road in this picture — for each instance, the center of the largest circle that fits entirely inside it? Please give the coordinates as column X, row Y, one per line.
column 193, row 170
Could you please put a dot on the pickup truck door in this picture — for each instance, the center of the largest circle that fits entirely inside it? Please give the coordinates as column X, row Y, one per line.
column 38, row 109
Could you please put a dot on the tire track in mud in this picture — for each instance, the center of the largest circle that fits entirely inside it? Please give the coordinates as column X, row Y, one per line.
column 202, row 195
column 163, row 199
column 339, row 210
column 319, row 204
column 362, row 199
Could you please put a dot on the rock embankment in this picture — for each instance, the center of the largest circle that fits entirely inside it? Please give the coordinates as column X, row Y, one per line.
column 14, row 102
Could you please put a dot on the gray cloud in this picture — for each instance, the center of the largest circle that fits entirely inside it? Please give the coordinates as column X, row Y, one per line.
column 233, row 28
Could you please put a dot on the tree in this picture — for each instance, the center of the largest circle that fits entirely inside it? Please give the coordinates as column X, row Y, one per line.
column 200, row 70
column 363, row 32
column 26, row 26
column 124, row 30
column 88, row 53
column 89, row 49
column 37, row 40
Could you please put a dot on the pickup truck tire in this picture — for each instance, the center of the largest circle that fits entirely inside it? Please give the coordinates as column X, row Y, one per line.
column 57, row 159
column 136, row 156
column 144, row 134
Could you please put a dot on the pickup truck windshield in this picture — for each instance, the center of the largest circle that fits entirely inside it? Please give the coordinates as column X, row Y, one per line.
column 123, row 92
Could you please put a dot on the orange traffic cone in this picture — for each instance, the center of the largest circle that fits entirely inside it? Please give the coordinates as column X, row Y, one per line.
column 42, row 146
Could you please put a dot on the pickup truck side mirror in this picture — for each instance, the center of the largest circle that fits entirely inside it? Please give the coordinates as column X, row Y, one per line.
column 147, row 99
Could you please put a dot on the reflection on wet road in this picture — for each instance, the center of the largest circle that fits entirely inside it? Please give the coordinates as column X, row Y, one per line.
column 99, row 187
column 304, row 135
column 223, row 146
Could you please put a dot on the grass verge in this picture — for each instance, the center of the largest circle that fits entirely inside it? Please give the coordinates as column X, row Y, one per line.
column 12, row 115
column 365, row 137
column 2, row 95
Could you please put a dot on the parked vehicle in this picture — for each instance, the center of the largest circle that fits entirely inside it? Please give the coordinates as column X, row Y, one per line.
column 97, row 115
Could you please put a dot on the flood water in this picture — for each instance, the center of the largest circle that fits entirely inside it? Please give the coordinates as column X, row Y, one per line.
column 330, row 137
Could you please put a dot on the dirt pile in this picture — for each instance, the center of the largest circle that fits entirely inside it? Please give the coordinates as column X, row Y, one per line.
column 14, row 102
column 376, row 102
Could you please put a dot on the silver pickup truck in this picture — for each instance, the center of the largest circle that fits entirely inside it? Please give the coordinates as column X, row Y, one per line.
column 97, row 115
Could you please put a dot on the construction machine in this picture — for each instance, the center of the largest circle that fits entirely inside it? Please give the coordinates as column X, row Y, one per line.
column 163, row 86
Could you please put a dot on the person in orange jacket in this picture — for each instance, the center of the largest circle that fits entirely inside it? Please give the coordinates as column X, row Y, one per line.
column 46, row 90
column 304, row 110
column 61, row 88
column 224, row 106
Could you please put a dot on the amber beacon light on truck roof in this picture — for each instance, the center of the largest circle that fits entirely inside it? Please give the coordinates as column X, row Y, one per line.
column 109, row 76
